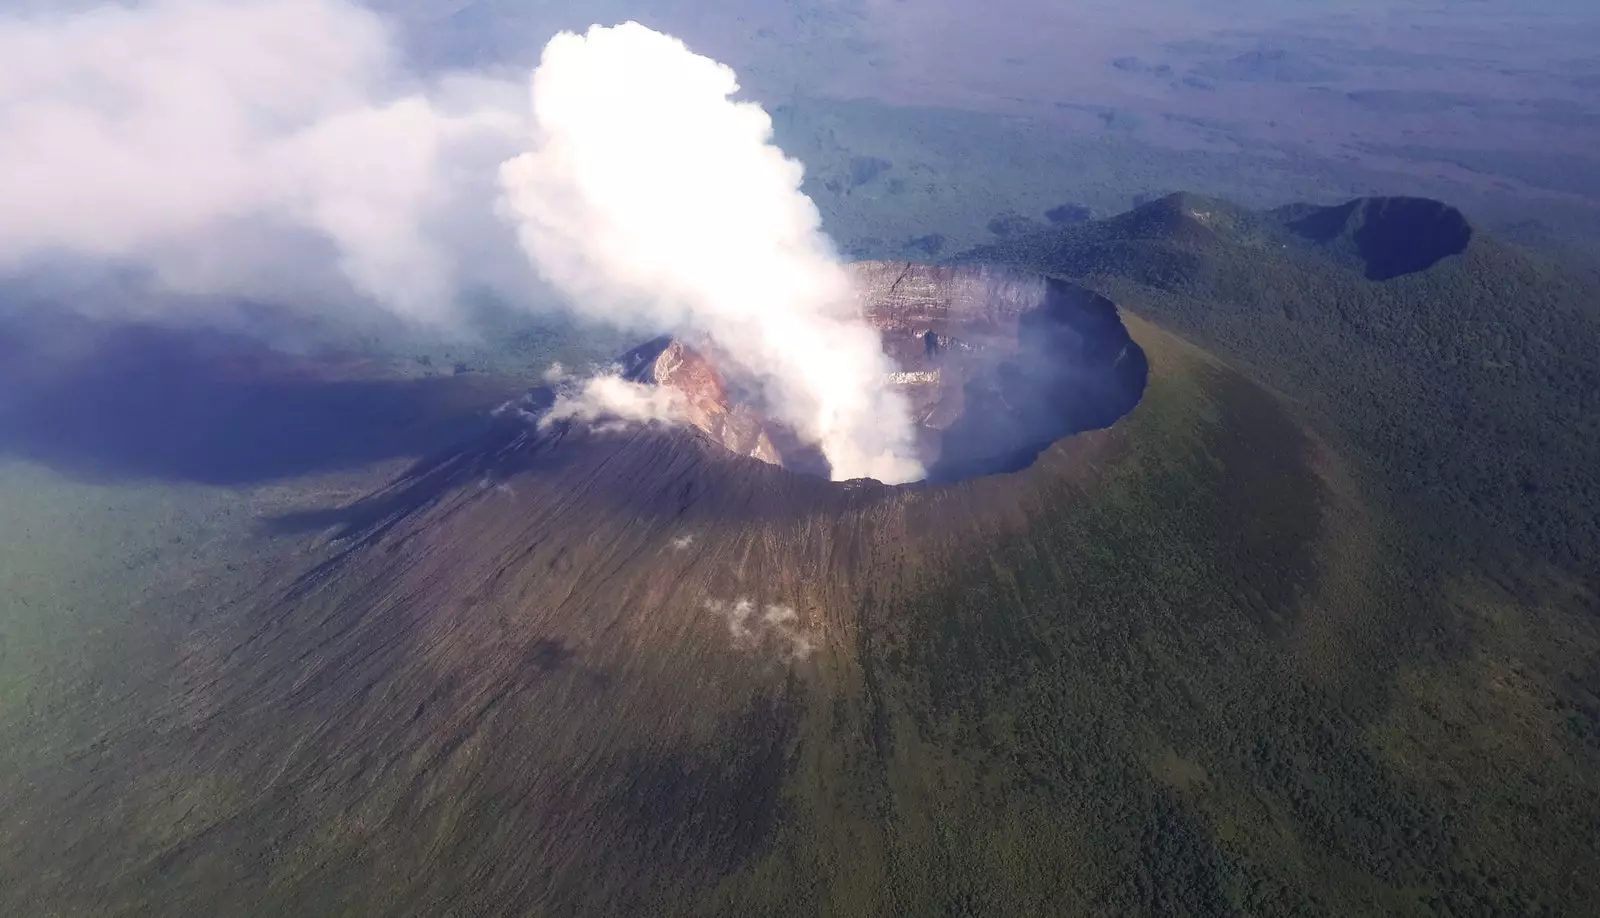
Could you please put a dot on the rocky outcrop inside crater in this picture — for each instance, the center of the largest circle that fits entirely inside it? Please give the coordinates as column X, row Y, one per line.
column 730, row 417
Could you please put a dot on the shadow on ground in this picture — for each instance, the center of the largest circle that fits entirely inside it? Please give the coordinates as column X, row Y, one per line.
column 121, row 400
column 1389, row 237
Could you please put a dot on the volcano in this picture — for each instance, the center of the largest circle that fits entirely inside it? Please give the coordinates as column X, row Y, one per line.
column 997, row 364
column 1151, row 639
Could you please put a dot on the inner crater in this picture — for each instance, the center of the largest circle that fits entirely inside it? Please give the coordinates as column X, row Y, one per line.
column 997, row 364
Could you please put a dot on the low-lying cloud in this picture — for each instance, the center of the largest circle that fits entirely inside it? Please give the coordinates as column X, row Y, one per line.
column 250, row 147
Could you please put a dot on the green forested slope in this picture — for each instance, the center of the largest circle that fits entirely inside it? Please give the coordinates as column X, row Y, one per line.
column 1472, row 382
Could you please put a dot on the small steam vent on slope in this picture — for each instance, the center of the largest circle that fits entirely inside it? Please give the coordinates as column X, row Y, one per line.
column 995, row 364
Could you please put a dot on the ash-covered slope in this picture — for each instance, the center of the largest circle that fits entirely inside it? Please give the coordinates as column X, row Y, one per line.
column 996, row 364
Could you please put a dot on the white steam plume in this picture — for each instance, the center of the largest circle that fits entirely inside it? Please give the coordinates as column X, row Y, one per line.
column 608, row 397
column 778, row 626
column 656, row 201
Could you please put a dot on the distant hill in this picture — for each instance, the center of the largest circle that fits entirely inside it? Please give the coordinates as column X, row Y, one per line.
column 1270, row 65
column 1466, row 367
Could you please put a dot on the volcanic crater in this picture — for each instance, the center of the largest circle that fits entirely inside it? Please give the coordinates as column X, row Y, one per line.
column 997, row 365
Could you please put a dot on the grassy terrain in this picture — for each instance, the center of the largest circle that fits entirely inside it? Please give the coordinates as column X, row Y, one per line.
column 88, row 584
column 1211, row 681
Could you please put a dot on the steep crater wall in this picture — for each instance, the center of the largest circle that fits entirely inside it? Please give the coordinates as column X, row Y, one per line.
column 997, row 365
column 1385, row 238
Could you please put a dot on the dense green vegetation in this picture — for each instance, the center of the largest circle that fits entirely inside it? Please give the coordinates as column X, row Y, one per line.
column 1472, row 384
column 1237, row 692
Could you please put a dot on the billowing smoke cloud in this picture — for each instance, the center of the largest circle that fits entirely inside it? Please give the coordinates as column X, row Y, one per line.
column 256, row 147
column 655, row 200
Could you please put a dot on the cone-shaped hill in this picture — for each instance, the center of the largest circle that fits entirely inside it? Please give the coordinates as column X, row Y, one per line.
column 1177, row 660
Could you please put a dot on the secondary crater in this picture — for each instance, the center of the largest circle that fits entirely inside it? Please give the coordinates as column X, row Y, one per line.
column 997, row 364
column 1386, row 238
